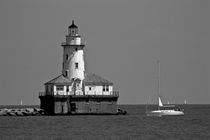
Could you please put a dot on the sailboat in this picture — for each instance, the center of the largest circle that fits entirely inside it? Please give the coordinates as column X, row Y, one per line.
column 168, row 102
column 164, row 109
column 185, row 101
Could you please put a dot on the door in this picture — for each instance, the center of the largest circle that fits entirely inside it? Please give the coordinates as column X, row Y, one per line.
column 73, row 107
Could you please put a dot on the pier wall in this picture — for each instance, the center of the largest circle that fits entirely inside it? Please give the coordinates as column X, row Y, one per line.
column 79, row 104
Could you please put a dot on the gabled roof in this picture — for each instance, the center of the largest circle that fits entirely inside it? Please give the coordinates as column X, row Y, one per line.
column 93, row 79
column 59, row 80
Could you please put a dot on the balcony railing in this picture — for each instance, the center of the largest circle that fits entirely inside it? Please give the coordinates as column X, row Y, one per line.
column 66, row 43
column 111, row 93
column 55, row 93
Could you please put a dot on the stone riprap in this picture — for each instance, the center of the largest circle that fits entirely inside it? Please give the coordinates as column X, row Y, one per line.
column 21, row 112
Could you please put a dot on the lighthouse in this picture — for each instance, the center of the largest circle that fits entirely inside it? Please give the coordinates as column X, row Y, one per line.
column 73, row 59
column 73, row 54
column 76, row 91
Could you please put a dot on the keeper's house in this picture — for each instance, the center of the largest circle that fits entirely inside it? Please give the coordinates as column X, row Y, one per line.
column 75, row 91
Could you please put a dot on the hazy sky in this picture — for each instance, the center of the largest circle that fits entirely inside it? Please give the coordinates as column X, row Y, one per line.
column 124, row 38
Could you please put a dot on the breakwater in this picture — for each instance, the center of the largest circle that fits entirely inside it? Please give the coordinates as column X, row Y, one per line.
column 21, row 112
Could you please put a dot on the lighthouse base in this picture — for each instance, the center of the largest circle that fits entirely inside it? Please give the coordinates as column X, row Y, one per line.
column 79, row 104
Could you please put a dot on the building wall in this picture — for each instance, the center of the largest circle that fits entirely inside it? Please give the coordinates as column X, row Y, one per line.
column 96, row 107
column 49, row 89
column 82, row 107
column 52, row 90
column 47, row 104
column 76, row 105
column 97, row 90
column 61, row 107
column 89, row 90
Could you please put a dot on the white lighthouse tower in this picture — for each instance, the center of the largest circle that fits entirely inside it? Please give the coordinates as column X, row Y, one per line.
column 73, row 55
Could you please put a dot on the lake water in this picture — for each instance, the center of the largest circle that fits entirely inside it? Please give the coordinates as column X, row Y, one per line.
column 195, row 124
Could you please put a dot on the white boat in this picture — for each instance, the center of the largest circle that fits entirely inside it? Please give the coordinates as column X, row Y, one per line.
column 163, row 109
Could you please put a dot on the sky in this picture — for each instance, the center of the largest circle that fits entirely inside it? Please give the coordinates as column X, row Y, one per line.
column 124, row 38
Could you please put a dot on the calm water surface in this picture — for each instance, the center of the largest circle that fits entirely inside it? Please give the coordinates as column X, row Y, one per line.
column 195, row 124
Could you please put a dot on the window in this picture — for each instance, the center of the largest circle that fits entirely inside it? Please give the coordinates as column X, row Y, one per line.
column 107, row 88
column 104, row 88
column 67, row 56
column 76, row 49
column 67, row 88
column 90, row 88
column 76, row 65
column 59, row 87
column 66, row 73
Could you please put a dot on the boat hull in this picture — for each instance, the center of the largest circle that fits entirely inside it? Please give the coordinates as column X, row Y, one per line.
column 165, row 113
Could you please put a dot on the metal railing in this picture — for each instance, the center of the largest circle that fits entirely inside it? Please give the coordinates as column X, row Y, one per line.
column 95, row 93
column 66, row 43
column 111, row 93
column 55, row 93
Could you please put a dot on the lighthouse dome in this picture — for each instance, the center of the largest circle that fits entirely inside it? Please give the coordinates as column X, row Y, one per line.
column 73, row 25
column 73, row 29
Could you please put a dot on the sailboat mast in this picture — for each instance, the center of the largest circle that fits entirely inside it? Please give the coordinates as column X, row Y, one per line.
column 158, row 80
